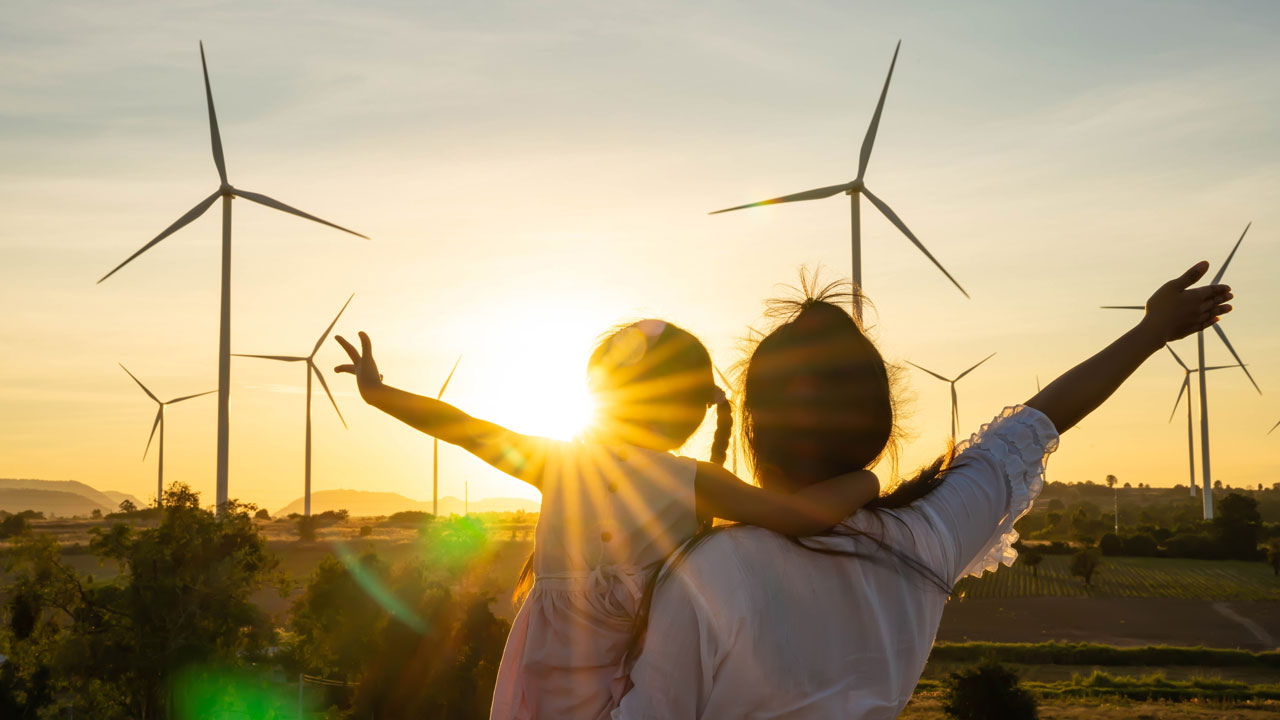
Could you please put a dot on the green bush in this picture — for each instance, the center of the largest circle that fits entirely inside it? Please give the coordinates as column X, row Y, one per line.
column 988, row 691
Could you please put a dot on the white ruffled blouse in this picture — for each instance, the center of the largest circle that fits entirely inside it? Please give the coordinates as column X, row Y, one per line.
column 751, row 625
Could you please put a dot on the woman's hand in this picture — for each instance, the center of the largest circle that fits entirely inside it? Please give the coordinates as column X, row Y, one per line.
column 1176, row 310
column 362, row 366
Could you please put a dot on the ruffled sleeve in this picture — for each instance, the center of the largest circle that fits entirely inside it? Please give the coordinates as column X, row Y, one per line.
column 1015, row 445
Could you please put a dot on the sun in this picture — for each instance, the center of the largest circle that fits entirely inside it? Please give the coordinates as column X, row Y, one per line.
column 534, row 370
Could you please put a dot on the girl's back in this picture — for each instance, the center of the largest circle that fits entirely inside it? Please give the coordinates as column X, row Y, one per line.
column 609, row 514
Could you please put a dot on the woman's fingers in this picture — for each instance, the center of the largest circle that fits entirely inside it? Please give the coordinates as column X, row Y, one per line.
column 351, row 351
column 1188, row 278
column 366, row 347
column 345, row 369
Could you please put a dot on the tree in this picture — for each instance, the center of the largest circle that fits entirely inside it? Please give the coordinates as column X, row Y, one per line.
column 988, row 691
column 1111, row 544
column 1085, row 563
column 1237, row 524
column 262, row 514
column 182, row 599
column 127, row 506
column 1273, row 555
column 1033, row 558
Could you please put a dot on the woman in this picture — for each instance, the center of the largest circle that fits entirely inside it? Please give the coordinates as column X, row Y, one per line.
column 747, row 623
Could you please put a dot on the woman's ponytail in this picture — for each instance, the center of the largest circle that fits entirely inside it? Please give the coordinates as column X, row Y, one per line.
column 724, row 427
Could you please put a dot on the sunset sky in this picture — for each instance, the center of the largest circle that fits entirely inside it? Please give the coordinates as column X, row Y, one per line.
column 533, row 173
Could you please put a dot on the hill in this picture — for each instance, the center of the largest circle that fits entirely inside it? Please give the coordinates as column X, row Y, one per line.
column 365, row 503
column 98, row 499
column 118, row 497
column 53, row 503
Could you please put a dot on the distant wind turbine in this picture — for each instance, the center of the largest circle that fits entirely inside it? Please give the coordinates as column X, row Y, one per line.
column 854, row 189
column 733, row 434
column 1186, row 388
column 310, row 369
column 1205, row 474
column 951, row 382
column 159, row 423
column 226, row 192
column 435, row 449
column 1273, row 428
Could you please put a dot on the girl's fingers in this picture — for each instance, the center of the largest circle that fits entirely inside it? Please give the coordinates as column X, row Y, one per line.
column 366, row 347
column 1222, row 310
column 351, row 351
column 345, row 369
column 1186, row 279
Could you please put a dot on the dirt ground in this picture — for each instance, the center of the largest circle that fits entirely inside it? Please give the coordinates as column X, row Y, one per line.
column 1114, row 621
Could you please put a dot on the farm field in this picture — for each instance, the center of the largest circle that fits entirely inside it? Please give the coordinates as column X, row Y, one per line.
column 1126, row 577
column 928, row 706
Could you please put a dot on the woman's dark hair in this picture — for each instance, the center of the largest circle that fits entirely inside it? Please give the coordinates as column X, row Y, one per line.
column 817, row 402
column 652, row 382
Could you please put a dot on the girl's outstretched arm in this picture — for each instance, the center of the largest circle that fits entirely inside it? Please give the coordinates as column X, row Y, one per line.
column 1175, row 311
column 520, row 456
column 809, row 511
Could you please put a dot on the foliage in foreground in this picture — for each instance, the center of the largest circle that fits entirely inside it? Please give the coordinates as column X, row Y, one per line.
column 987, row 691
column 111, row 649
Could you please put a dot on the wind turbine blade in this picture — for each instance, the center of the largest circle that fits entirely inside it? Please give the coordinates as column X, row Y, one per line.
column 975, row 367
column 943, row 379
column 893, row 218
column 1037, row 383
column 330, row 328
column 727, row 385
column 817, row 194
column 1218, row 278
column 282, row 358
column 154, row 425
column 1223, row 335
column 1176, row 358
column 325, row 385
column 955, row 406
column 446, row 380
column 1221, row 367
column 870, row 139
column 1123, row 307
column 190, row 215
column 135, row 379
column 1186, row 387
column 1273, row 428
column 276, row 204
column 188, row 397
column 215, row 136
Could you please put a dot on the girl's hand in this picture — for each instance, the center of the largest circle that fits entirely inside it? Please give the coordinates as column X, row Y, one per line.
column 362, row 366
column 1176, row 310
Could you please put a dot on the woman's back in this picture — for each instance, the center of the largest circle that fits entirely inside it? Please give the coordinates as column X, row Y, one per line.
column 782, row 631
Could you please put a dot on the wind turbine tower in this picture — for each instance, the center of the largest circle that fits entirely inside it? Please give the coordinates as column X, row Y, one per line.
column 855, row 189
column 435, row 450
column 159, row 423
column 226, row 192
column 310, row 368
column 951, row 382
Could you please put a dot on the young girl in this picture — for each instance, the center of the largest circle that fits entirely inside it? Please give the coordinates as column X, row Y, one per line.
column 614, row 505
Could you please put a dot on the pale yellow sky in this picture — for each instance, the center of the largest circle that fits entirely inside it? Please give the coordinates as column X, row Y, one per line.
column 533, row 173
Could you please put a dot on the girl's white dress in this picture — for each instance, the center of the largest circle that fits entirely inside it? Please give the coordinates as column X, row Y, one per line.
column 610, row 515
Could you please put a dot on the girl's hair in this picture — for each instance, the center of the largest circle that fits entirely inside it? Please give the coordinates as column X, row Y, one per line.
column 817, row 402
column 652, row 382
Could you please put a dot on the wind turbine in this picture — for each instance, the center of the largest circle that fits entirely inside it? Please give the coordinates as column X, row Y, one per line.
column 1186, row 388
column 1205, row 474
column 435, row 450
column 854, row 189
column 955, row 412
column 226, row 192
column 310, row 369
column 159, row 423
column 733, row 434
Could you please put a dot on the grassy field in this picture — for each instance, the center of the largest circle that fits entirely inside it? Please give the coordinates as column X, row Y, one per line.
column 928, row 706
column 1125, row 577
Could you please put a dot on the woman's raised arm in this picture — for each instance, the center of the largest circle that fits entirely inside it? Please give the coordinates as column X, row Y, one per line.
column 1175, row 311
